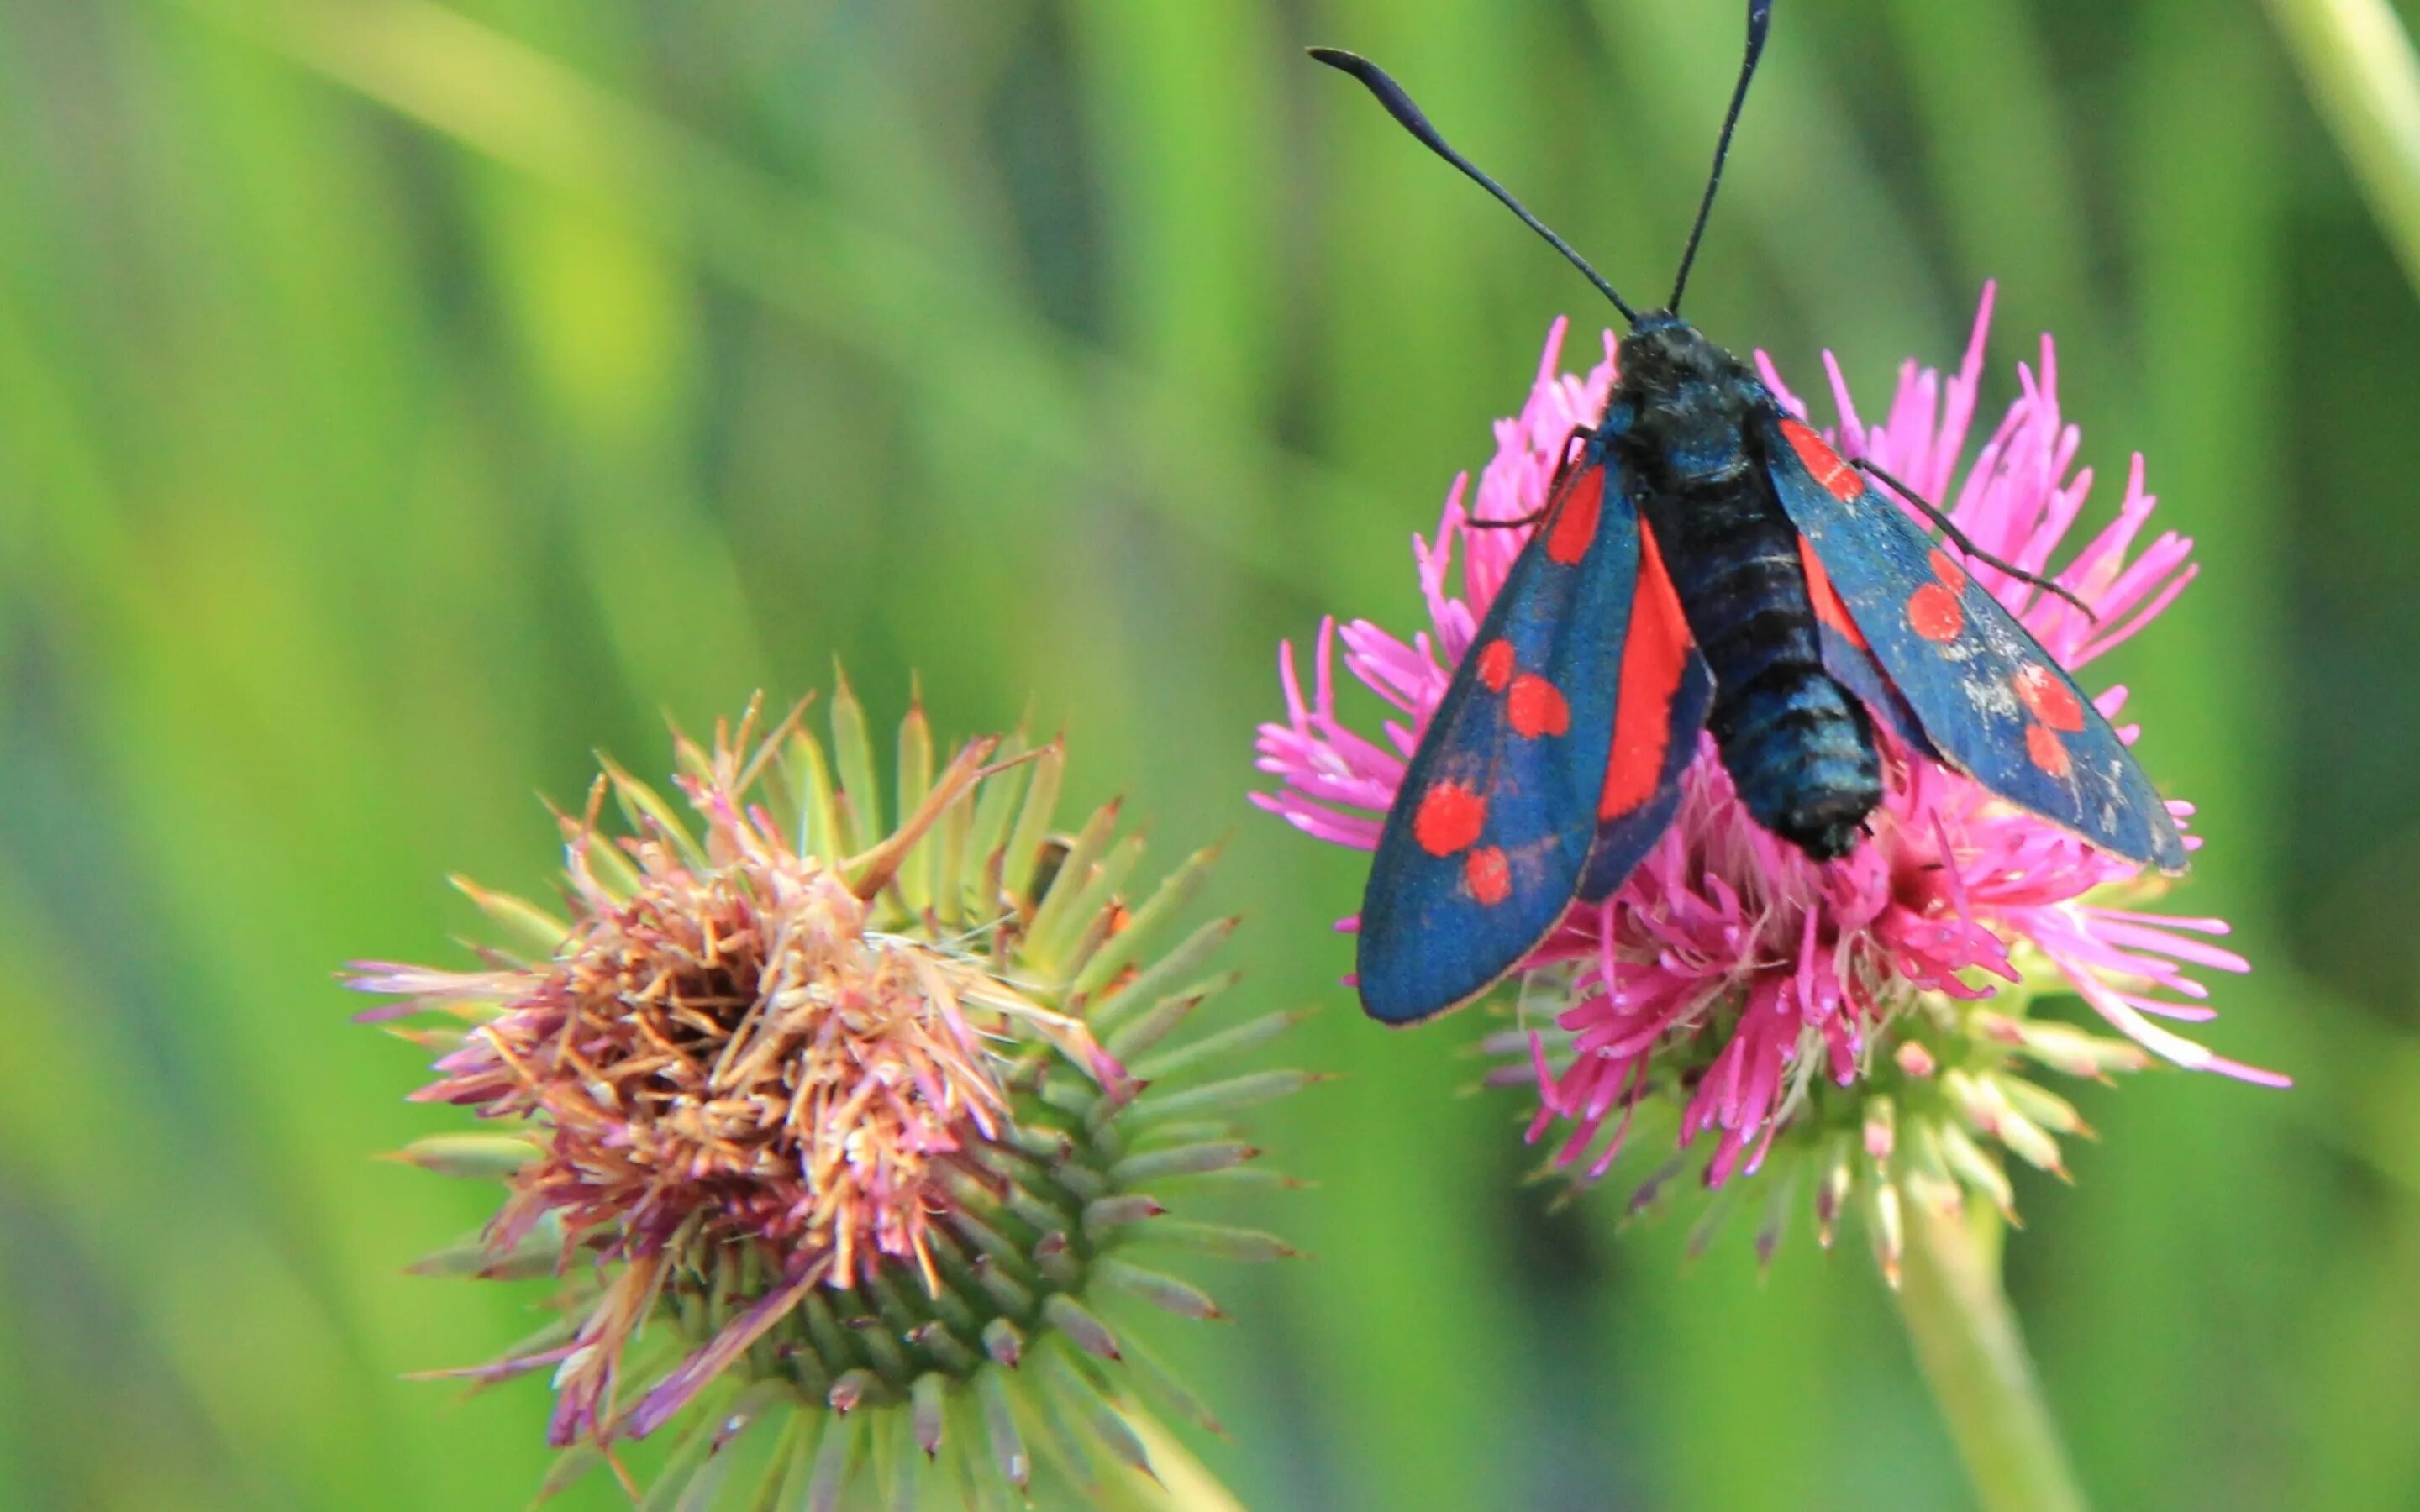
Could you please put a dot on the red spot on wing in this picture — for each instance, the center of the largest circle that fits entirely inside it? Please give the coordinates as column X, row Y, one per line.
column 1933, row 613
column 1572, row 530
column 2048, row 698
column 2048, row 751
column 1653, row 659
column 1536, row 708
column 1496, row 665
column 1450, row 817
column 1837, row 476
column 1488, row 876
column 1953, row 576
column 1829, row 608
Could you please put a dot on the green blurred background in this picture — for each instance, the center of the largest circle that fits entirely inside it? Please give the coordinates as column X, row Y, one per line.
column 398, row 401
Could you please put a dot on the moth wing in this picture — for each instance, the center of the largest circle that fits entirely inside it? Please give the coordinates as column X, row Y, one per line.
column 1989, row 700
column 1491, row 827
column 1665, row 693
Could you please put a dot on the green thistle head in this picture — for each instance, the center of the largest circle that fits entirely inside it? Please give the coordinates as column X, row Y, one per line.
column 838, row 1132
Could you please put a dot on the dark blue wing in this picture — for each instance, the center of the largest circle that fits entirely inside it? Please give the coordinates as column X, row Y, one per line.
column 1491, row 830
column 1990, row 699
column 1851, row 660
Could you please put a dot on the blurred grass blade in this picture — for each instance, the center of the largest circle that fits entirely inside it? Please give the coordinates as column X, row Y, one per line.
column 2356, row 60
column 880, row 293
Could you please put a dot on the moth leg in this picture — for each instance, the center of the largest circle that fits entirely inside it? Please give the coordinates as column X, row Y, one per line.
column 1933, row 513
column 1554, row 490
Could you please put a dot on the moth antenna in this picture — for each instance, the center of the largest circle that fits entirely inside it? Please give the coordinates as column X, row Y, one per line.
column 1760, row 19
column 1409, row 116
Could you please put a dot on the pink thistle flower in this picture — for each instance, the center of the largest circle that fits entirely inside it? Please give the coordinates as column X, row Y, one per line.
column 1732, row 972
column 816, row 1114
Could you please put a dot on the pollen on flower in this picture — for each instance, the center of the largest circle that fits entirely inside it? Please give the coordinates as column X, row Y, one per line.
column 721, row 1044
column 731, row 1047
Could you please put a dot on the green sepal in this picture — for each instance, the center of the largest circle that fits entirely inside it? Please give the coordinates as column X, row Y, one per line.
column 946, row 1348
column 1037, row 1209
column 1063, row 1439
column 568, row 1468
column 880, row 1343
column 1122, row 1211
column 1131, row 1038
column 646, row 812
column 1083, row 1329
column 859, row 800
column 1101, row 1416
column 1163, row 1291
column 1926, row 1174
column 1004, row 1343
column 1884, row 1227
column 2029, row 1142
column 1969, row 1162
column 486, row 1157
column 824, row 1328
column 897, row 1464
column 834, row 1457
column 1210, row 1049
column 539, row 1253
column 1169, row 1136
column 1055, row 906
column 604, row 859
column 1249, row 1178
column 1220, row 1241
column 539, row 933
column 1162, row 977
column 950, row 880
column 1092, row 911
column 783, row 1480
column 1023, row 852
column 1166, row 1387
column 995, row 804
column 1171, row 898
column 692, row 1459
column 850, row 1389
column 927, row 1402
column 1003, row 1250
column 2043, row 1106
column 819, row 825
column 558, row 1332
column 1183, row 1160
column 915, row 776
column 1220, row 1098
column 1008, row 1449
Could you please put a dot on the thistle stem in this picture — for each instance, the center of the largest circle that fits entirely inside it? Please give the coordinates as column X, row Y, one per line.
column 1974, row 1357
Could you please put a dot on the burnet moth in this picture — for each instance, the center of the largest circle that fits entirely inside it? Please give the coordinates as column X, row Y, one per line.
column 1705, row 560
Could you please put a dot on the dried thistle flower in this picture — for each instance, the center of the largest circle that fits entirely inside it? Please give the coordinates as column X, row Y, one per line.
column 837, row 1133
